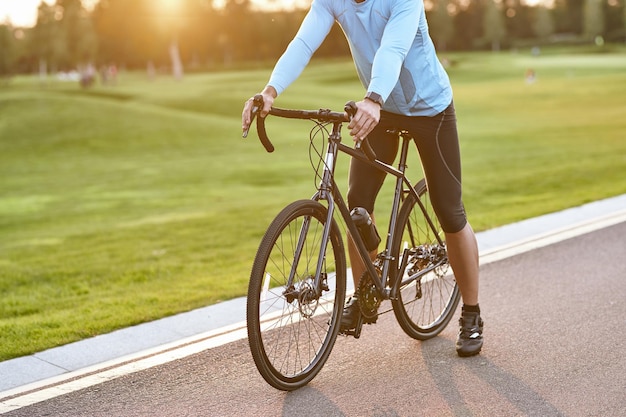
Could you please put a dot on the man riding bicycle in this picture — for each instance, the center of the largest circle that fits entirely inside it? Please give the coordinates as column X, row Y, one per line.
column 407, row 88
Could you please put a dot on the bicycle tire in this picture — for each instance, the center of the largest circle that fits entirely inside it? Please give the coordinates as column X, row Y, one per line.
column 291, row 332
column 423, row 307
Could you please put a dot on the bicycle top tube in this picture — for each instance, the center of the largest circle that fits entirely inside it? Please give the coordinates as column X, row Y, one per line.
column 364, row 153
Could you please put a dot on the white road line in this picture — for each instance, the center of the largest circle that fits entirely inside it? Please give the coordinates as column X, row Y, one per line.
column 549, row 238
column 73, row 381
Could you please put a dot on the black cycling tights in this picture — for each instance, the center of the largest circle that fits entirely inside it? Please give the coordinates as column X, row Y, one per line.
column 438, row 146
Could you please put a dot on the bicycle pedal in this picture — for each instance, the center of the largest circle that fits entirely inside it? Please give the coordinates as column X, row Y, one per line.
column 356, row 332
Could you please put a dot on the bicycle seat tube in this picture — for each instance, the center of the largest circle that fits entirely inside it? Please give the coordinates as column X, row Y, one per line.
column 395, row 208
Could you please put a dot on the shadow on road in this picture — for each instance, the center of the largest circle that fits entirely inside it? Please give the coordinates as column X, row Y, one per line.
column 446, row 371
column 309, row 401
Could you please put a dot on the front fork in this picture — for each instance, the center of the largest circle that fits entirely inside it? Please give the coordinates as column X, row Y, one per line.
column 319, row 283
column 312, row 288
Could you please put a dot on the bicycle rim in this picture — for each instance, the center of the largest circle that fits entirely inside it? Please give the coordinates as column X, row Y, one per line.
column 424, row 306
column 291, row 331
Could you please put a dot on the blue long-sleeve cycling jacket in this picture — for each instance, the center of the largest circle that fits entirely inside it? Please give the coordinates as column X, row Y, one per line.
column 392, row 51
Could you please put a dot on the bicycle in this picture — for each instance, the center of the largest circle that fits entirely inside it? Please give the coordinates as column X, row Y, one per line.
column 297, row 284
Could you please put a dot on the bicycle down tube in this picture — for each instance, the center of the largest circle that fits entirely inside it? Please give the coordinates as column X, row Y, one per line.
column 401, row 180
column 329, row 191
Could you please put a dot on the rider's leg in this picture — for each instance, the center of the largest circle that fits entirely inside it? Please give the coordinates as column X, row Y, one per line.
column 463, row 256
column 365, row 182
column 438, row 145
column 356, row 263
column 352, row 310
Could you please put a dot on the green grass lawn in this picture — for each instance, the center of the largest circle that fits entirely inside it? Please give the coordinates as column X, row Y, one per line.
column 128, row 203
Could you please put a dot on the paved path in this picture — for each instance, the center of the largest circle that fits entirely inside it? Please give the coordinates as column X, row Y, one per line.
column 554, row 346
column 162, row 341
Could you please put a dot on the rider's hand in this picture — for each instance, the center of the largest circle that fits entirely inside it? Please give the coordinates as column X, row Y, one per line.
column 365, row 119
column 269, row 94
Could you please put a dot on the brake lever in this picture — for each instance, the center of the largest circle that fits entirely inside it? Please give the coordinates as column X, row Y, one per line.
column 257, row 104
column 351, row 109
column 255, row 110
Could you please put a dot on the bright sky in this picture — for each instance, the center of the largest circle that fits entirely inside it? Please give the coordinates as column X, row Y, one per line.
column 19, row 12
column 24, row 12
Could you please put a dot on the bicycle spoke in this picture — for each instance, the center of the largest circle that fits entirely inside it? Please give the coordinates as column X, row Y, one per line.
column 292, row 316
column 425, row 304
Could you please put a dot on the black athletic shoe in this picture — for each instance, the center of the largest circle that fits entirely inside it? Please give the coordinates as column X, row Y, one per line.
column 351, row 313
column 470, row 339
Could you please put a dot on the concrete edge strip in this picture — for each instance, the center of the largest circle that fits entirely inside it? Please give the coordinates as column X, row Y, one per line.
column 33, row 393
column 46, row 389
column 548, row 238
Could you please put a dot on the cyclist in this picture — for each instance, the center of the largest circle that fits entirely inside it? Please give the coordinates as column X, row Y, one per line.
column 408, row 88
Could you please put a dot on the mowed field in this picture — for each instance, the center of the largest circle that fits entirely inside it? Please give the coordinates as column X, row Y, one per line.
column 126, row 203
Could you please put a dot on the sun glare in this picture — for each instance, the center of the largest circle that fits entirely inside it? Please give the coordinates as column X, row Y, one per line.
column 169, row 5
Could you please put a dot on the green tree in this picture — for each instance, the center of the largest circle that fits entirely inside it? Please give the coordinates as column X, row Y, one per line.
column 63, row 36
column 198, row 33
column 238, row 31
column 127, row 33
column 543, row 24
column 593, row 23
column 494, row 30
column 568, row 16
column 148, row 33
column 624, row 19
column 6, row 50
column 519, row 20
column 79, row 33
column 46, row 40
column 135, row 33
column 441, row 23
column 468, row 25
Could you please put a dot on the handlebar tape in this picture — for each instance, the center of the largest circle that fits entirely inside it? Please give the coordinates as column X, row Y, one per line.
column 260, row 124
column 364, row 145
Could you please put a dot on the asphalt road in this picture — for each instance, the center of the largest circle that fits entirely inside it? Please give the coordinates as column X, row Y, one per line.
column 555, row 344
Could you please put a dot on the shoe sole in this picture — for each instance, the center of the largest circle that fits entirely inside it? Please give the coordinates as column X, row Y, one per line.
column 468, row 354
column 352, row 327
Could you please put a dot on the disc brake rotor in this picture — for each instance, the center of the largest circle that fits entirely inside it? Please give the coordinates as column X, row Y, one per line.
column 307, row 300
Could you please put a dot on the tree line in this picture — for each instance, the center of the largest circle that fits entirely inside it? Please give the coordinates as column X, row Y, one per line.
column 199, row 35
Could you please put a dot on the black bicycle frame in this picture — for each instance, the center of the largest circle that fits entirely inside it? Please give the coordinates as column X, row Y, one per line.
column 329, row 192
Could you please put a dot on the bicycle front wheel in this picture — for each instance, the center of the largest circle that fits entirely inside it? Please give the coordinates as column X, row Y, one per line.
column 427, row 293
column 293, row 310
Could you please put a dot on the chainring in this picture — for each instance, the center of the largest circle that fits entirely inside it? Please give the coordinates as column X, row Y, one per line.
column 369, row 299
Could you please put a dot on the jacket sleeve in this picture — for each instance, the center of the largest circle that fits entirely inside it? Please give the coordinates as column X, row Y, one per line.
column 313, row 30
column 398, row 36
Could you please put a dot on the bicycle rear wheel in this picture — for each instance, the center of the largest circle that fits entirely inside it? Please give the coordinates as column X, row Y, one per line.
column 292, row 322
column 426, row 304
